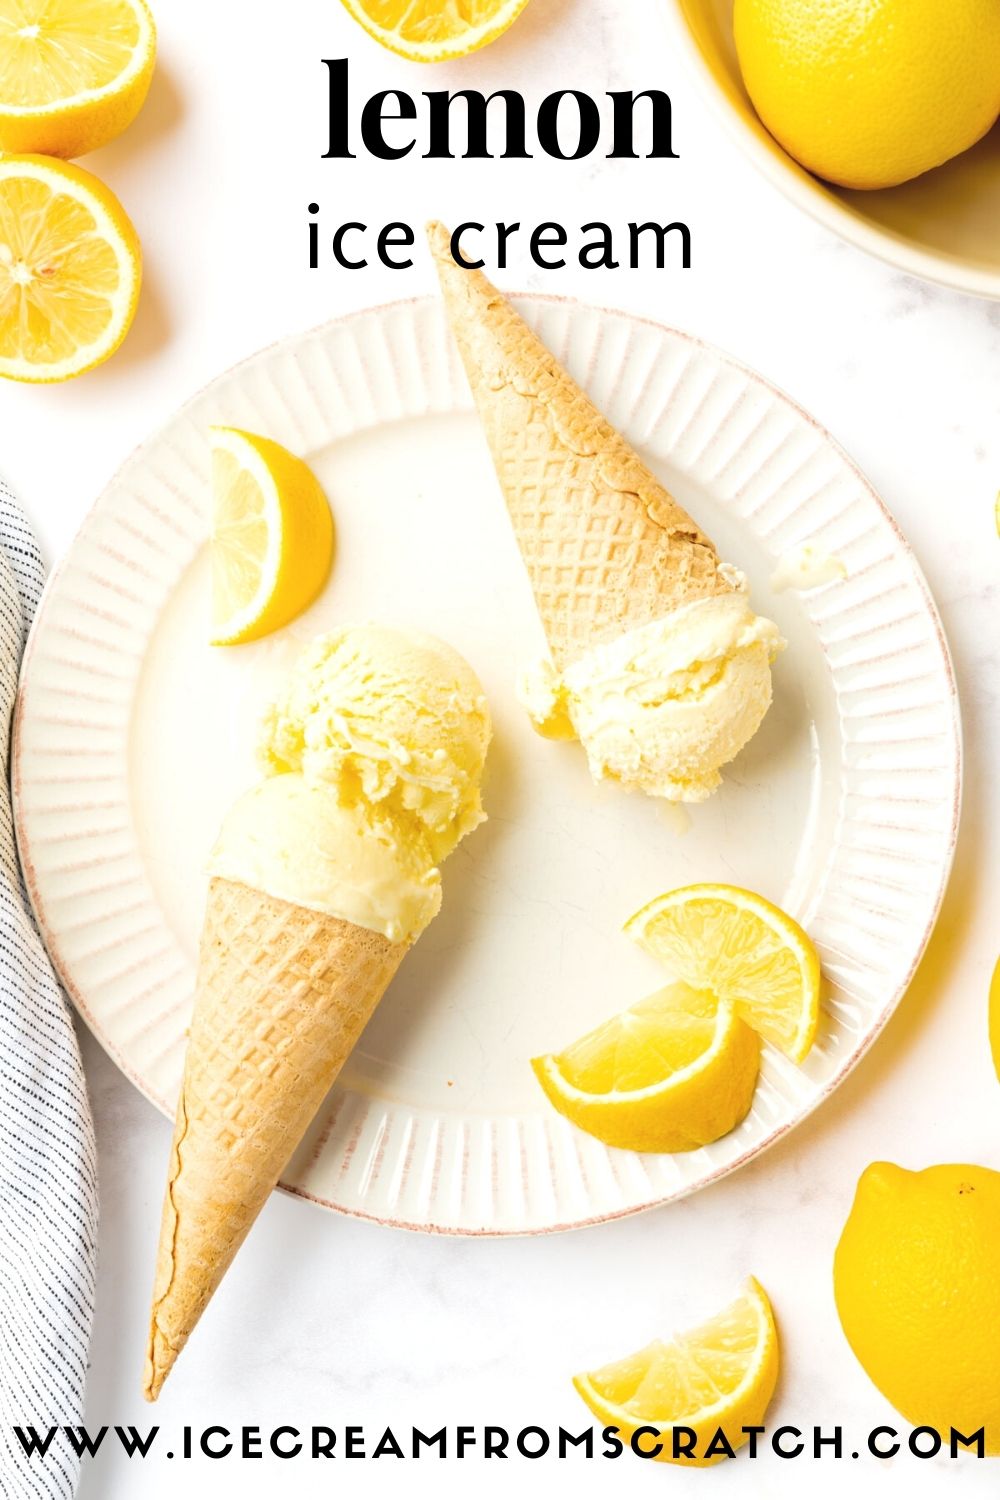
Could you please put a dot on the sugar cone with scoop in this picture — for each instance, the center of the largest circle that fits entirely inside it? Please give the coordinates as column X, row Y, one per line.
column 658, row 664
column 323, row 876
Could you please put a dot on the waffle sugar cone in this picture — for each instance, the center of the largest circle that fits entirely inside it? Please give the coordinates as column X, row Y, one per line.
column 607, row 548
column 283, row 995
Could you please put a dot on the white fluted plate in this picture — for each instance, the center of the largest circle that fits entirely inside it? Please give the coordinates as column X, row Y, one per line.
column 133, row 736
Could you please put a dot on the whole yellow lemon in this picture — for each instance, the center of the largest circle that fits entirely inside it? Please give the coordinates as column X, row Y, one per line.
column 917, row 1281
column 869, row 93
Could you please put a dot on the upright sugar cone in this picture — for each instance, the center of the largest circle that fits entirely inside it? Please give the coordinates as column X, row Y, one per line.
column 607, row 548
column 283, row 995
column 321, row 876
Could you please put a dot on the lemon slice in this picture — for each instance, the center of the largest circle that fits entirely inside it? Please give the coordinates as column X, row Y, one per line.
column 272, row 536
column 672, row 1073
column 70, row 270
column 432, row 30
column 745, row 950
column 718, row 1377
column 73, row 73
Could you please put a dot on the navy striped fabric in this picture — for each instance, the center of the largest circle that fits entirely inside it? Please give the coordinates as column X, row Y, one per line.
column 48, row 1162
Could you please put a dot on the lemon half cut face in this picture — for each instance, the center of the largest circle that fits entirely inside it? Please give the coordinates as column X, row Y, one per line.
column 70, row 270
column 73, row 73
column 431, row 31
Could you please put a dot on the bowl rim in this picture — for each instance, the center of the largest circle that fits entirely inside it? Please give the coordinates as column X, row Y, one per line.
column 810, row 195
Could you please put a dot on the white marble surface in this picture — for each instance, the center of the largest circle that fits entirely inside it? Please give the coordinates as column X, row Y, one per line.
column 330, row 1321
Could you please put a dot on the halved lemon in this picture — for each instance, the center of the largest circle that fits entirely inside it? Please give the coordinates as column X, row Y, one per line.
column 272, row 536
column 719, row 1377
column 70, row 270
column 745, row 950
column 672, row 1073
column 73, row 73
column 432, row 30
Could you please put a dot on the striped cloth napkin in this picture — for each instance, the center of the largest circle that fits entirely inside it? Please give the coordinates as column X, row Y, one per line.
column 48, row 1162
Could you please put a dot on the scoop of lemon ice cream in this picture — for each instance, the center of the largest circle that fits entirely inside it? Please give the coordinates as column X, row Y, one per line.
column 290, row 837
column 373, row 757
column 662, row 708
column 398, row 723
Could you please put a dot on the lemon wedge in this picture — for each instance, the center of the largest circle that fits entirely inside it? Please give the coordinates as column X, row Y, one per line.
column 272, row 536
column 719, row 1377
column 432, row 30
column 73, row 73
column 745, row 950
column 70, row 270
column 672, row 1073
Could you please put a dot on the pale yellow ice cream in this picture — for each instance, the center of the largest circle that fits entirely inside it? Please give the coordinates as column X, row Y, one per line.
column 396, row 722
column 291, row 838
column 807, row 568
column 662, row 708
column 373, row 758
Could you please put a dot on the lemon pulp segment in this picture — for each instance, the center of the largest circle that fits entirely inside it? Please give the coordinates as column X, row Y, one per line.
column 73, row 73
column 719, row 1376
column 432, row 30
column 745, row 950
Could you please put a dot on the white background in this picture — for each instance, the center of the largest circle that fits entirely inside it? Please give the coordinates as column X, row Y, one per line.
column 331, row 1321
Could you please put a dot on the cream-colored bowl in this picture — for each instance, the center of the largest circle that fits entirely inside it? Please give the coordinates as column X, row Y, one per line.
column 944, row 226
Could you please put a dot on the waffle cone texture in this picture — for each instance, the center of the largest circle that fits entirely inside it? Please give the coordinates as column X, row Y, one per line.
column 282, row 996
column 606, row 546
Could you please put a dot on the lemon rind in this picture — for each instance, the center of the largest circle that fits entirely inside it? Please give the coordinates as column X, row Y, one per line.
column 725, row 1025
column 238, row 445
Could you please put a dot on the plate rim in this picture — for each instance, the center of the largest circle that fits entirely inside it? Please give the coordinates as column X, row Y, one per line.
column 857, row 1051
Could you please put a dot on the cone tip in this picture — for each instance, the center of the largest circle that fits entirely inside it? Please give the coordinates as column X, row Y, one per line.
column 157, row 1369
column 439, row 239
